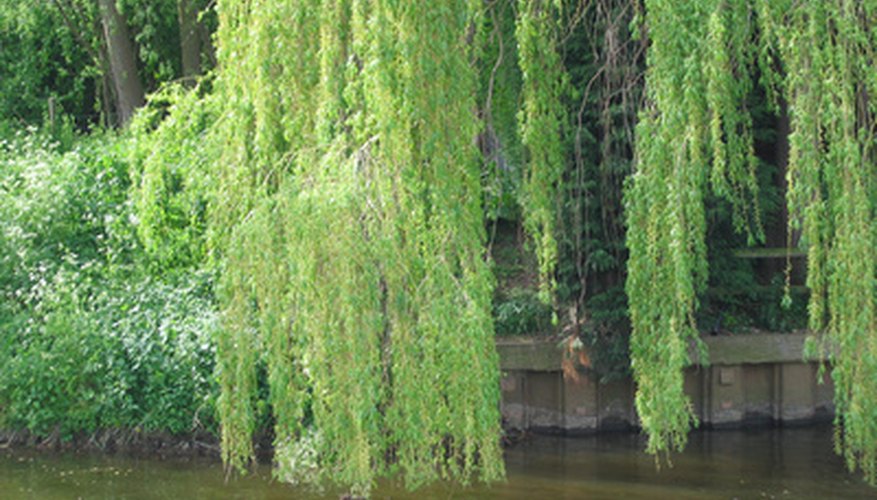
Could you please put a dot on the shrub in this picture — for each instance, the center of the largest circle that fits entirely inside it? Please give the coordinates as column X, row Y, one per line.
column 89, row 338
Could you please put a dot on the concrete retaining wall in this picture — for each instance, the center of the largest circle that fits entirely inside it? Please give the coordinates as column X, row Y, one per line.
column 751, row 379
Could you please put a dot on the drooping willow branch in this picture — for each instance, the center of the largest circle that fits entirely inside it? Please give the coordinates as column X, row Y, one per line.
column 351, row 238
column 826, row 50
column 693, row 133
column 541, row 120
column 346, row 214
column 818, row 58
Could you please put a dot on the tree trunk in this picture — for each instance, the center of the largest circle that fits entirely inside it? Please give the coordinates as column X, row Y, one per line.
column 190, row 40
column 123, row 63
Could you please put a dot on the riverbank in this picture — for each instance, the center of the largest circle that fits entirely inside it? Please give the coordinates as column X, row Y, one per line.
column 753, row 381
column 125, row 441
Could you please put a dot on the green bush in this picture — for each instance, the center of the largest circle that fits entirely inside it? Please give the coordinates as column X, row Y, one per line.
column 606, row 336
column 119, row 356
column 89, row 338
column 520, row 312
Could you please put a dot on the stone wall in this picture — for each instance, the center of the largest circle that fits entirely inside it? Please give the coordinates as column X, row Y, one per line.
column 751, row 379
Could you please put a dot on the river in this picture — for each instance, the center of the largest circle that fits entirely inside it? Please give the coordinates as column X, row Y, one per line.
column 766, row 463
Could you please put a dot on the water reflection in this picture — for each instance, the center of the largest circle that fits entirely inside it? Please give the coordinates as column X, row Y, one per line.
column 769, row 463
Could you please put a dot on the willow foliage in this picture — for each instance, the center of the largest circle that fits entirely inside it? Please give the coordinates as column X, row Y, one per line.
column 541, row 117
column 172, row 158
column 350, row 232
column 345, row 213
column 818, row 58
column 826, row 49
column 693, row 132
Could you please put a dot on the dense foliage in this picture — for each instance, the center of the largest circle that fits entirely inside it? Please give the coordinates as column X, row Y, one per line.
column 89, row 340
column 57, row 56
column 171, row 155
column 351, row 234
column 363, row 179
column 41, row 60
column 703, row 59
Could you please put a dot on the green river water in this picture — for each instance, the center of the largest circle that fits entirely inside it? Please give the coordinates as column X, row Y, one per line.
column 767, row 463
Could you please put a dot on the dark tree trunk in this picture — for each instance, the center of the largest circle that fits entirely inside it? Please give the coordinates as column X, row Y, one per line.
column 123, row 63
column 190, row 39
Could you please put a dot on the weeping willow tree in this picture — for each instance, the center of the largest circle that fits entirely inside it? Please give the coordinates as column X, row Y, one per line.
column 345, row 215
column 349, row 230
column 696, row 135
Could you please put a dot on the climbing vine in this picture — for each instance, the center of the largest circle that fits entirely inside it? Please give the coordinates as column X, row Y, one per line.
column 349, row 229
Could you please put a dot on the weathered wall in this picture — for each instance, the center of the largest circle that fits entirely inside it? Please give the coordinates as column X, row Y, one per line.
column 750, row 379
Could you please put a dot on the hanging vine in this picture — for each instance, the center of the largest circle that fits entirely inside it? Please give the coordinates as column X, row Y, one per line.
column 691, row 132
column 826, row 50
column 351, row 239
